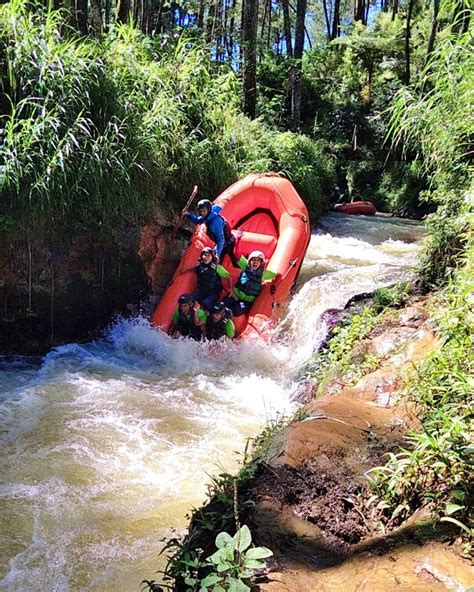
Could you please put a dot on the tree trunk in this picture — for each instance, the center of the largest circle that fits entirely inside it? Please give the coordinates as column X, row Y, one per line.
column 159, row 18
column 264, row 17
column 231, row 30
column 147, row 20
column 135, row 10
column 326, row 18
column 200, row 16
column 298, row 67
column 394, row 9
column 287, row 27
column 81, row 16
column 211, row 17
column 97, row 18
column 269, row 24
column 249, row 30
column 407, row 41
column 217, row 30
column 335, row 20
column 434, row 28
column 123, row 12
column 359, row 13
column 107, row 12
column 225, row 29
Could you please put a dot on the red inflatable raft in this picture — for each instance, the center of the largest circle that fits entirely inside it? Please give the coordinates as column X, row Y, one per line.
column 366, row 208
column 265, row 213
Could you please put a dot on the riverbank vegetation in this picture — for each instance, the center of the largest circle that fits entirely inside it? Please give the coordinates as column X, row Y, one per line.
column 110, row 113
column 99, row 130
column 433, row 470
column 98, row 133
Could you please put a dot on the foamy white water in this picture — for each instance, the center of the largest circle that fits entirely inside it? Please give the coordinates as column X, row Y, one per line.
column 107, row 445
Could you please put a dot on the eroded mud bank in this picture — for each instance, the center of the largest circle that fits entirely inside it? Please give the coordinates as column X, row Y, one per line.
column 310, row 497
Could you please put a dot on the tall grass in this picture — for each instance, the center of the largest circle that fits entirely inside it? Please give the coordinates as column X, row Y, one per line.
column 436, row 116
column 435, row 120
column 97, row 134
column 436, row 468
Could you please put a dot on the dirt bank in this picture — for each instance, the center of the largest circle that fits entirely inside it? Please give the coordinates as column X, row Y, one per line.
column 312, row 496
column 310, row 501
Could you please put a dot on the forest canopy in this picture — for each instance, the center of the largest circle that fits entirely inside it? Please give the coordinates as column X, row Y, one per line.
column 110, row 110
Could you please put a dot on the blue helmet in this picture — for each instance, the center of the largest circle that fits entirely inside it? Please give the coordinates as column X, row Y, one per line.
column 209, row 250
column 218, row 307
column 185, row 299
column 204, row 203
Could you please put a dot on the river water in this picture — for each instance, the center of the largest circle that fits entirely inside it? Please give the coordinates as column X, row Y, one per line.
column 107, row 445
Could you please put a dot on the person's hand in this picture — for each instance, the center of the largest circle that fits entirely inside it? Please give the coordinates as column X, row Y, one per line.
column 184, row 212
column 196, row 306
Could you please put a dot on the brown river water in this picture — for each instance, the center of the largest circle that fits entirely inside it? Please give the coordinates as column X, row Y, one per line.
column 107, row 445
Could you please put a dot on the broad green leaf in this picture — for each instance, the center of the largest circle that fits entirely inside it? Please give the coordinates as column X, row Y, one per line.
column 223, row 539
column 246, row 575
column 243, row 538
column 258, row 553
column 237, row 586
column 218, row 556
column 211, row 579
column 254, row 564
column 453, row 508
column 224, row 566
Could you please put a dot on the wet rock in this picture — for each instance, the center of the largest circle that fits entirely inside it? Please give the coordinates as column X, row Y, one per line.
column 413, row 316
column 160, row 253
column 389, row 341
column 428, row 568
column 66, row 292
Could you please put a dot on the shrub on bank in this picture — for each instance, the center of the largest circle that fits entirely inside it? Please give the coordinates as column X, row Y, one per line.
column 97, row 134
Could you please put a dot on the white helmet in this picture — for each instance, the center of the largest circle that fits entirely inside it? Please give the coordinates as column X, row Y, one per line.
column 257, row 255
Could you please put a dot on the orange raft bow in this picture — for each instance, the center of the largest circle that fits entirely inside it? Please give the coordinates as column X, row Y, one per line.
column 265, row 213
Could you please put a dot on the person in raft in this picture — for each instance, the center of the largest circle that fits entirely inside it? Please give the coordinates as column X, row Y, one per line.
column 249, row 284
column 219, row 322
column 217, row 228
column 189, row 320
column 209, row 275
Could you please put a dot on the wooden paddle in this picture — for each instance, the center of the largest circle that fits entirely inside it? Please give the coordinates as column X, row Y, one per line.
column 186, row 207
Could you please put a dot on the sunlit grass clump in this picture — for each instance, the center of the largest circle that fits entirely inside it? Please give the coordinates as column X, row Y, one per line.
column 98, row 133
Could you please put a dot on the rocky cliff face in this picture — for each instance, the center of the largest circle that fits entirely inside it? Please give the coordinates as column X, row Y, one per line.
column 70, row 292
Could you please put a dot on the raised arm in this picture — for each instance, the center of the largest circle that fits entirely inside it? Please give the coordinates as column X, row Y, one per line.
column 218, row 229
column 194, row 218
